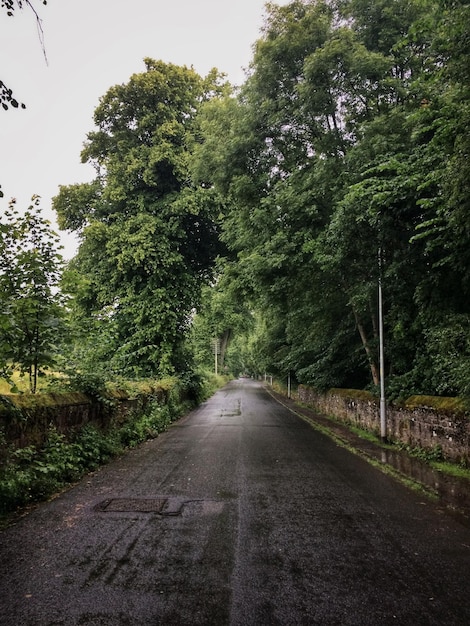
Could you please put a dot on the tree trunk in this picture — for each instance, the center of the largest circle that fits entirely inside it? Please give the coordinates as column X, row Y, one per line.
column 370, row 356
column 224, row 341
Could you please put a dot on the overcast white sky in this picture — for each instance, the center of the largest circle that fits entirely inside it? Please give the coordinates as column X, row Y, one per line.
column 92, row 45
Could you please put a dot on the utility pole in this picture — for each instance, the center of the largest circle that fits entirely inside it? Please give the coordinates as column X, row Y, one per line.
column 216, row 347
column 383, row 411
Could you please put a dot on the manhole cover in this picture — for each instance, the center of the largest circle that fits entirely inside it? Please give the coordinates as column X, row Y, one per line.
column 141, row 505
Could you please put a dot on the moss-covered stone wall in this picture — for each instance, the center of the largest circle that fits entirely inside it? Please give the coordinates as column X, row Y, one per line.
column 25, row 419
column 424, row 421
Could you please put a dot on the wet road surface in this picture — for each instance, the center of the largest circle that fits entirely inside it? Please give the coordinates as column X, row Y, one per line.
column 451, row 492
column 241, row 514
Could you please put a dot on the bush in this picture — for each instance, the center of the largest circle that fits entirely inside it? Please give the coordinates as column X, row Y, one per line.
column 209, row 383
column 29, row 474
column 148, row 425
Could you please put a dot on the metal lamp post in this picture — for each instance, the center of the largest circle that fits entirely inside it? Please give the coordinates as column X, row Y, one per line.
column 383, row 412
column 216, row 348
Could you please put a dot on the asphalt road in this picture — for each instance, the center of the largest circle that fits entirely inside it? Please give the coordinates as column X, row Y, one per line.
column 241, row 514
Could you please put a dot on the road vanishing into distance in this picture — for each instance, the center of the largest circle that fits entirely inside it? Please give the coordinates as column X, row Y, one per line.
column 240, row 514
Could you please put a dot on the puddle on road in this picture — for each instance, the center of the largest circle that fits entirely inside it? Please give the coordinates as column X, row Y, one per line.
column 452, row 492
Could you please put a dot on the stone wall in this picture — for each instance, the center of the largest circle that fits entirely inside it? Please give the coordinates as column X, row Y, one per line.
column 26, row 419
column 421, row 421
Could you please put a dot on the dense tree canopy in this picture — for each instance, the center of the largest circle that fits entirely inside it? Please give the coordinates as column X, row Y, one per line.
column 262, row 219
column 346, row 141
column 149, row 236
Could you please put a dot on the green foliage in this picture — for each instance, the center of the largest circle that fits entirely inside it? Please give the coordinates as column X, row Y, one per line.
column 432, row 455
column 31, row 307
column 155, row 420
column 221, row 317
column 210, row 383
column 349, row 138
column 29, row 474
column 343, row 157
column 149, row 235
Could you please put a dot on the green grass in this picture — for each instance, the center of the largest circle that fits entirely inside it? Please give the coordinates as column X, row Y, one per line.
column 365, row 434
column 22, row 383
column 457, row 471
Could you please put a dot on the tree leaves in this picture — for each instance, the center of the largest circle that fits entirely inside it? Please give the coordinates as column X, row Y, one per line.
column 348, row 137
column 7, row 99
column 30, row 303
column 149, row 236
column 6, row 94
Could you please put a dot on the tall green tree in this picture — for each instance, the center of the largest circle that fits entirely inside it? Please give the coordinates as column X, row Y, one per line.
column 340, row 146
column 149, row 235
column 31, row 306
column 288, row 140
column 222, row 318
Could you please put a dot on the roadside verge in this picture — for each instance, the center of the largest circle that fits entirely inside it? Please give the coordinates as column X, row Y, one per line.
column 450, row 493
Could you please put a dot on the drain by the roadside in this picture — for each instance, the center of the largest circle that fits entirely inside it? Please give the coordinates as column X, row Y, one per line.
column 161, row 506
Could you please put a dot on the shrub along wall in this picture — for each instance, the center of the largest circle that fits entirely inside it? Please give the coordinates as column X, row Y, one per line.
column 48, row 441
column 421, row 421
column 27, row 419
